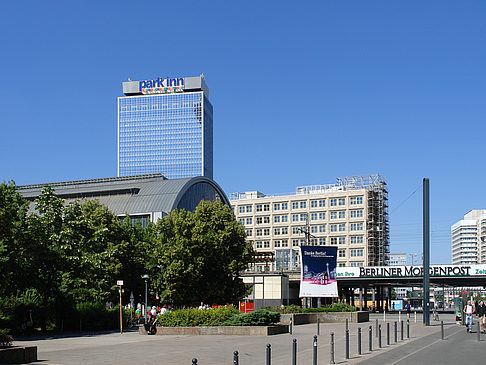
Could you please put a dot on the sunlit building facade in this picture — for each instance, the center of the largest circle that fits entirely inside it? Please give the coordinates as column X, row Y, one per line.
column 351, row 214
column 165, row 126
column 469, row 239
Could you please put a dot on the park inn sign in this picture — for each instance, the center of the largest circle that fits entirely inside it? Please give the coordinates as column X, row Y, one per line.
column 410, row 271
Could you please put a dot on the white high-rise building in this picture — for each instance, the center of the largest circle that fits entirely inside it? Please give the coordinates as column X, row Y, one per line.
column 469, row 239
column 399, row 259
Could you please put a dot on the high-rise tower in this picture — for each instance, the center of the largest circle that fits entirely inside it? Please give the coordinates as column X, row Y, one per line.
column 469, row 239
column 165, row 125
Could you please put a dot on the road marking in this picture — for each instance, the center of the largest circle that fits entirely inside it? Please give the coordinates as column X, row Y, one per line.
column 416, row 351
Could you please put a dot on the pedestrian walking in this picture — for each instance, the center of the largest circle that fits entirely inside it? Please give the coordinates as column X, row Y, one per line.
column 469, row 311
column 408, row 307
column 481, row 314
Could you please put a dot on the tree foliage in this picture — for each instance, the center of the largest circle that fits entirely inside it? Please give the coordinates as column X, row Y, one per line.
column 74, row 253
column 201, row 254
column 13, row 212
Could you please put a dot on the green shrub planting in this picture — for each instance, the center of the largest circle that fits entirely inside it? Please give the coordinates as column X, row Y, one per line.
column 95, row 316
column 337, row 307
column 5, row 338
column 260, row 317
column 196, row 317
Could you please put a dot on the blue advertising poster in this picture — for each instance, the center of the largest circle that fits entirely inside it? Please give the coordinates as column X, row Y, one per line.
column 318, row 271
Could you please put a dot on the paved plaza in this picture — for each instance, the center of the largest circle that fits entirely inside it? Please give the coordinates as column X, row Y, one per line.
column 424, row 345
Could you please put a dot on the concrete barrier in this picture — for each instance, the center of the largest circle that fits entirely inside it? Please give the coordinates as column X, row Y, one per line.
column 325, row 317
column 18, row 355
column 222, row 330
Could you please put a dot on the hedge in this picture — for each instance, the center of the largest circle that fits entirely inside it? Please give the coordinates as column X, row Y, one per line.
column 217, row 317
column 196, row 317
column 260, row 317
column 337, row 307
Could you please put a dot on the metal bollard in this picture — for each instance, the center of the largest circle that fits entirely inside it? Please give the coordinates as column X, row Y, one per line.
column 314, row 353
column 399, row 316
column 347, row 344
column 441, row 330
column 318, row 326
column 290, row 326
column 235, row 358
column 379, row 336
column 408, row 328
column 194, row 361
column 347, row 324
column 269, row 354
column 415, row 316
column 359, row 341
column 388, row 333
column 294, row 351
column 370, row 339
column 331, row 361
column 376, row 328
column 401, row 330
column 479, row 330
column 396, row 335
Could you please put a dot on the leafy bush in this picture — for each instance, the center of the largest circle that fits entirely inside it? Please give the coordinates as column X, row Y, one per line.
column 5, row 338
column 260, row 317
column 337, row 307
column 14, row 310
column 196, row 317
column 95, row 316
column 342, row 307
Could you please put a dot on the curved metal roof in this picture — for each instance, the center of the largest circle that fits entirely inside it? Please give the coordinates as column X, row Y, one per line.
column 130, row 194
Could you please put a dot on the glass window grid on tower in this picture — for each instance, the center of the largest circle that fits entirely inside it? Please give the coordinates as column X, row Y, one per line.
column 162, row 133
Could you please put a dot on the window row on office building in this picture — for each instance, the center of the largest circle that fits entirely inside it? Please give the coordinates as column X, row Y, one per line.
column 351, row 214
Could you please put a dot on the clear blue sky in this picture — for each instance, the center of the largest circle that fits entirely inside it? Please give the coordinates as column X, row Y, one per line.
column 303, row 92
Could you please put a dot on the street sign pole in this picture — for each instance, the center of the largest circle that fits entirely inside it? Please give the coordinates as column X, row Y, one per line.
column 120, row 284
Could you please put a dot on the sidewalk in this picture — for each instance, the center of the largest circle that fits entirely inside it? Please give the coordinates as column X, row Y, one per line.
column 130, row 348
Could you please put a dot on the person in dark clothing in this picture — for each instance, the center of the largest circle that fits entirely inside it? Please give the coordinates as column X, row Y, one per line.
column 150, row 326
column 481, row 314
column 408, row 307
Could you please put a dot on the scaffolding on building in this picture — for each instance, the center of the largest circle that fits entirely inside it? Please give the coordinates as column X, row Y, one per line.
column 377, row 224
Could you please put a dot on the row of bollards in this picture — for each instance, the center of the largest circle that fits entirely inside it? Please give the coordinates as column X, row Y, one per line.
column 268, row 353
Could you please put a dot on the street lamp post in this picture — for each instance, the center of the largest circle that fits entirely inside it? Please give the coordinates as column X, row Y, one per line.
column 146, row 277
column 412, row 255
column 132, row 304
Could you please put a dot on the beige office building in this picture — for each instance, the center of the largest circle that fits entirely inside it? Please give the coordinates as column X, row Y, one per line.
column 351, row 214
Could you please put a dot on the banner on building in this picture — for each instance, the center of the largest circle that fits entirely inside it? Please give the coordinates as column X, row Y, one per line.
column 318, row 271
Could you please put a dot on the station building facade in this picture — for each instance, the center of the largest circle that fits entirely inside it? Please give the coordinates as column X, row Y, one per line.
column 145, row 198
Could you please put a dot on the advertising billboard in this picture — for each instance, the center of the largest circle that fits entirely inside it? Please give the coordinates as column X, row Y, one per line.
column 318, row 272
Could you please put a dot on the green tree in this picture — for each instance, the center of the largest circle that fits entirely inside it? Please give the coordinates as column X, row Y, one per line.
column 13, row 211
column 201, row 254
column 92, row 240
column 43, row 256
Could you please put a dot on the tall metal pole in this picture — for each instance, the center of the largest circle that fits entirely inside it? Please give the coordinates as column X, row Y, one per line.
column 426, row 252
column 146, row 277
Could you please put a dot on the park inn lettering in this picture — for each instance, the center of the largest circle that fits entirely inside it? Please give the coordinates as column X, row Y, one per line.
column 161, row 84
